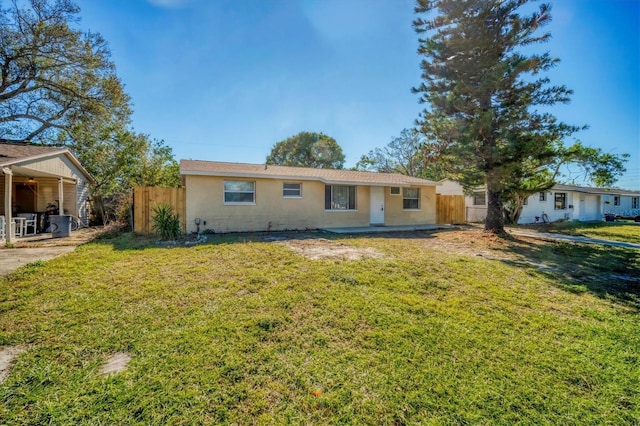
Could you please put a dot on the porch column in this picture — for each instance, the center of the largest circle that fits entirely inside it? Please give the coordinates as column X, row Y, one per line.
column 8, row 184
column 60, row 196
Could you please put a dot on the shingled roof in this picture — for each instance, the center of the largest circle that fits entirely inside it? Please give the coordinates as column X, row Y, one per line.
column 329, row 176
column 591, row 190
column 11, row 152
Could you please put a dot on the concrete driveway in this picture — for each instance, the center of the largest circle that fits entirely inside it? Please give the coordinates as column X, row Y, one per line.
column 573, row 238
column 12, row 258
column 43, row 247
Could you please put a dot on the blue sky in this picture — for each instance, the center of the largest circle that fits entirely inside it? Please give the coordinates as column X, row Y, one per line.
column 225, row 80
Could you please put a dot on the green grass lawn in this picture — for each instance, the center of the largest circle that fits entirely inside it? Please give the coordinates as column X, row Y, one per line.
column 617, row 231
column 245, row 331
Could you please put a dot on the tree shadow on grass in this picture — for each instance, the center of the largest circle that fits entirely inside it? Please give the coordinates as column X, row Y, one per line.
column 611, row 273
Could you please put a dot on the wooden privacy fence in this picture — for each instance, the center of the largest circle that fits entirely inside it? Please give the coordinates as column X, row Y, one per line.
column 450, row 209
column 146, row 197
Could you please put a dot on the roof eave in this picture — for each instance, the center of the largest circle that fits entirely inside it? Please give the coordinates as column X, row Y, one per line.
column 328, row 181
column 47, row 155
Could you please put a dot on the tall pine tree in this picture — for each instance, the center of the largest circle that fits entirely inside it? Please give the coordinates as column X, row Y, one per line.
column 482, row 91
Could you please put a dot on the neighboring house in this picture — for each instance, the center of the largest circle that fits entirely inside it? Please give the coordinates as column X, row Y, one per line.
column 33, row 177
column 236, row 197
column 561, row 202
column 571, row 202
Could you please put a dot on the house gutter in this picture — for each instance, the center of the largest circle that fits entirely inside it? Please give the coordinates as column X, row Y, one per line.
column 297, row 177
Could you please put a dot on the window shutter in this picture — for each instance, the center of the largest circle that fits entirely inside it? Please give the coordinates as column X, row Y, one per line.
column 352, row 198
column 327, row 197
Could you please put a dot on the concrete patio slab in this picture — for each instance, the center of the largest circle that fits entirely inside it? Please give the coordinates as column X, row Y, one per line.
column 380, row 229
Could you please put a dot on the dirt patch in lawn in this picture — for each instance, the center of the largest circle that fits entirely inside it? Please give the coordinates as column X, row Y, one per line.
column 320, row 248
column 476, row 242
column 7, row 356
column 471, row 241
column 115, row 363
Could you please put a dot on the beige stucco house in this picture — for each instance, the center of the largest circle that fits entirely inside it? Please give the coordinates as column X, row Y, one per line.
column 237, row 197
column 33, row 177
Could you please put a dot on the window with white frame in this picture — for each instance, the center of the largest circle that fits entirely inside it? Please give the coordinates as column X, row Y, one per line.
column 616, row 200
column 543, row 196
column 394, row 190
column 635, row 202
column 239, row 192
column 411, row 198
column 479, row 198
column 560, row 201
column 291, row 190
column 340, row 197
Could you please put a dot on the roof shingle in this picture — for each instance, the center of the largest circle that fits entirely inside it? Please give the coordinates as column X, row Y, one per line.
column 10, row 152
column 218, row 168
column 591, row 190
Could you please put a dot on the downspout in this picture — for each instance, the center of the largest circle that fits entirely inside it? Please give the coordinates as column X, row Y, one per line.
column 8, row 184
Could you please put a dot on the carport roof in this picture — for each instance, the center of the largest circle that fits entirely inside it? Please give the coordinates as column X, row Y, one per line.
column 19, row 154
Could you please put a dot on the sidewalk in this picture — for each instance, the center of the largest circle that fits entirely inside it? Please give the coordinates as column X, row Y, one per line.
column 572, row 238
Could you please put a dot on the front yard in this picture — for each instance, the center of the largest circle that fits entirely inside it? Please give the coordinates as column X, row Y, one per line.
column 428, row 328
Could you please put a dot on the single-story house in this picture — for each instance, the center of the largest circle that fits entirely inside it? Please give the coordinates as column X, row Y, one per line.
column 582, row 203
column 237, row 197
column 561, row 202
column 32, row 178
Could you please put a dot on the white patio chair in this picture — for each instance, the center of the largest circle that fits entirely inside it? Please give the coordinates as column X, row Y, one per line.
column 29, row 222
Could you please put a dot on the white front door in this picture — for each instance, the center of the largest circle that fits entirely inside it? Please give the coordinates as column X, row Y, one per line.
column 377, row 205
column 589, row 208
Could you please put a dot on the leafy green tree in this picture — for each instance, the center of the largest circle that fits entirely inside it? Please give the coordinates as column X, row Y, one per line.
column 120, row 159
column 158, row 166
column 402, row 155
column 483, row 93
column 53, row 76
column 307, row 149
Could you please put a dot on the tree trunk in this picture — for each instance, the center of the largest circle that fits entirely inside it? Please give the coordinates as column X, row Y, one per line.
column 516, row 215
column 512, row 211
column 495, row 214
